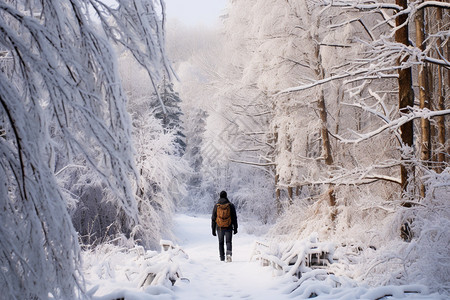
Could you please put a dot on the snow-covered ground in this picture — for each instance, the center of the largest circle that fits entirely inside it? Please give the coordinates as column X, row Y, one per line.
column 113, row 273
column 212, row 279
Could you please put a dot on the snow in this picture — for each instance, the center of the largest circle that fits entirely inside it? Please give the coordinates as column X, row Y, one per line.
column 69, row 144
column 114, row 273
column 213, row 279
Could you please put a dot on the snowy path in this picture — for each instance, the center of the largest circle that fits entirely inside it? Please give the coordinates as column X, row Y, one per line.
column 212, row 279
column 112, row 273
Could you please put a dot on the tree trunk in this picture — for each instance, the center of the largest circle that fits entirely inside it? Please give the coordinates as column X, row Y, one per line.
column 332, row 203
column 406, row 98
column 441, row 101
column 277, row 176
column 277, row 194
column 424, row 95
column 326, row 145
column 291, row 195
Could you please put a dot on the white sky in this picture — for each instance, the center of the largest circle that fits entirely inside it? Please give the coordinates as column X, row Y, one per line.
column 195, row 12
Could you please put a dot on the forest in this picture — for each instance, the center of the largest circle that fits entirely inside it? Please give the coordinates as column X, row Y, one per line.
column 318, row 117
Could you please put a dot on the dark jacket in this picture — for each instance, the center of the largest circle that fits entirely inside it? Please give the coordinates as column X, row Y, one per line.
column 234, row 224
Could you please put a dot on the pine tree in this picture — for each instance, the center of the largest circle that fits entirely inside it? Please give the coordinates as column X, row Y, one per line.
column 171, row 113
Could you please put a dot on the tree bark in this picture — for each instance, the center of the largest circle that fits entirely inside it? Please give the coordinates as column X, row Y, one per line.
column 424, row 94
column 277, row 176
column 441, row 101
column 406, row 97
column 277, row 194
column 406, row 100
column 326, row 145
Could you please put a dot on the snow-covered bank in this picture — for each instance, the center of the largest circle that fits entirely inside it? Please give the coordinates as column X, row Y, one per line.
column 118, row 273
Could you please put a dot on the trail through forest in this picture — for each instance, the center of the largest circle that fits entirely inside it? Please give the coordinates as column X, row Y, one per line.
column 117, row 273
column 245, row 278
column 212, row 279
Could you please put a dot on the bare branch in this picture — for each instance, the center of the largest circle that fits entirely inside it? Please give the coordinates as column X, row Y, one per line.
column 355, row 20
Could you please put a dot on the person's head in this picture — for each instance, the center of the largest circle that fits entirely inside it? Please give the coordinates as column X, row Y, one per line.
column 223, row 194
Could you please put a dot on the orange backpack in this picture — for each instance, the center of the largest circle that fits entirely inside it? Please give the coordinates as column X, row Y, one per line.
column 223, row 215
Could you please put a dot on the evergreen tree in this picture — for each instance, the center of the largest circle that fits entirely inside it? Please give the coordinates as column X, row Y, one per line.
column 170, row 113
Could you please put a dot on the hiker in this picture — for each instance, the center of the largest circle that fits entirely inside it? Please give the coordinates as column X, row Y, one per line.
column 224, row 221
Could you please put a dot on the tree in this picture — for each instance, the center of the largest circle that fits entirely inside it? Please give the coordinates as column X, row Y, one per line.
column 270, row 129
column 441, row 92
column 170, row 114
column 381, row 65
column 162, row 169
column 406, row 59
column 243, row 138
column 405, row 94
column 346, row 61
column 194, row 54
column 424, row 93
column 63, row 89
column 195, row 121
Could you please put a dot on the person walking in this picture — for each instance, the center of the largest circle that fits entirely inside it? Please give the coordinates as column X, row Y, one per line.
column 223, row 224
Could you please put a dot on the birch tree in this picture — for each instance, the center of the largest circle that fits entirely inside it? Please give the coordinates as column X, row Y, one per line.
column 63, row 82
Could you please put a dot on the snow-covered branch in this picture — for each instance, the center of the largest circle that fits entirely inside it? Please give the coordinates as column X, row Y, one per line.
column 379, row 73
column 394, row 124
column 372, row 5
column 363, row 5
column 437, row 4
column 374, row 71
column 62, row 103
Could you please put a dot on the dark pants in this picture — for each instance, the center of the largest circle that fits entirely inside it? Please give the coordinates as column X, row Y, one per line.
column 224, row 234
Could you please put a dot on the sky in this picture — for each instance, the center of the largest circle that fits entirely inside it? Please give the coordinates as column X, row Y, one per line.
column 195, row 12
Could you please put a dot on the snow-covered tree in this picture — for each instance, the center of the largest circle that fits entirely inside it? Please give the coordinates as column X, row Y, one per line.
column 63, row 99
column 390, row 53
column 292, row 43
column 170, row 114
column 195, row 120
column 382, row 82
column 163, row 174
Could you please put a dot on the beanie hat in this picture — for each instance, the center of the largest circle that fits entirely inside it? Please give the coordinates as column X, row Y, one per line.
column 223, row 194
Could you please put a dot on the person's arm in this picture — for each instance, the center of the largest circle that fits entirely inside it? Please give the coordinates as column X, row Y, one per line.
column 234, row 218
column 213, row 220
